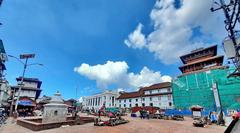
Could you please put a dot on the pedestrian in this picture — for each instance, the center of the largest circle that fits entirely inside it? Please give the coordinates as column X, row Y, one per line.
column 147, row 114
column 141, row 114
column 213, row 117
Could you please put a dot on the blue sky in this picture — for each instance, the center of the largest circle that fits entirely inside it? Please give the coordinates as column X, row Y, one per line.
column 65, row 34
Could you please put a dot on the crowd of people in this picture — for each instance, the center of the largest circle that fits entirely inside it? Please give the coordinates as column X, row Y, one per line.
column 144, row 114
column 25, row 112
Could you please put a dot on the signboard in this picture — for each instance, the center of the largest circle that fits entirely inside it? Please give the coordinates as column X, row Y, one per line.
column 216, row 96
column 197, row 114
column 25, row 102
column 24, row 56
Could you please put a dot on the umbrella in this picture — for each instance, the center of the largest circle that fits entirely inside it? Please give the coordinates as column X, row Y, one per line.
column 235, row 106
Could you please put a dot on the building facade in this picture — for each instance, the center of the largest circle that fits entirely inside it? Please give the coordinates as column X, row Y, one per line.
column 5, row 89
column 96, row 101
column 5, row 92
column 30, row 91
column 201, row 70
column 157, row 95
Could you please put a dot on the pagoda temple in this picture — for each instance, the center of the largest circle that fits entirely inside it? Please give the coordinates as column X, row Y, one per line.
column 200, row 59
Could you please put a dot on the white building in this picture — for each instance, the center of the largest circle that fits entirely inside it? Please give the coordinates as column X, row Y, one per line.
column 96, row 101
column 157, row 95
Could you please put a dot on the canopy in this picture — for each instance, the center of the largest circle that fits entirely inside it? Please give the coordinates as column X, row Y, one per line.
column 196, row 107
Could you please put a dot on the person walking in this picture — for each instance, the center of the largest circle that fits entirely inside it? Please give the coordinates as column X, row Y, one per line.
column 141, row 114
column 148, row 114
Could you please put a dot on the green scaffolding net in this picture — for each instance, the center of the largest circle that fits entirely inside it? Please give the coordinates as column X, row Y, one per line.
column 196, row 89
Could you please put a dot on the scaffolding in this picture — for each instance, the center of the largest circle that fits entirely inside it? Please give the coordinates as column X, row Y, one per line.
column 196, row 89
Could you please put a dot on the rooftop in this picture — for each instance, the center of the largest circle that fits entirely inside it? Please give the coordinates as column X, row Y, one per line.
column 203, row 60
column 140, row 92
column 214, row 47
column 129, row 95
column 29, row 79
column 200, row 49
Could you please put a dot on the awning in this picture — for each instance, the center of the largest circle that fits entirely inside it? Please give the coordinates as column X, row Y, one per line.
column 26, row 103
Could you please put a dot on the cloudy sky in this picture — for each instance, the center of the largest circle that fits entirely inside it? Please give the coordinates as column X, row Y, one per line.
column 90, row 46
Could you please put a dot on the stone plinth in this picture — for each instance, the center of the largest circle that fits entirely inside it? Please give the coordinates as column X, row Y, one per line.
column 55, row 111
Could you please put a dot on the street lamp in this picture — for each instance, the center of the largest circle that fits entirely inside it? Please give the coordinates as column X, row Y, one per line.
column 25, row 64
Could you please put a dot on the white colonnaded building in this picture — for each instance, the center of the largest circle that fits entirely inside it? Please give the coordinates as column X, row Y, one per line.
column 109, row 98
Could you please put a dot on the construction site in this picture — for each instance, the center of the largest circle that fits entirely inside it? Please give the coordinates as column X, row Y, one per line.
column 200, row 75
column 200, row 92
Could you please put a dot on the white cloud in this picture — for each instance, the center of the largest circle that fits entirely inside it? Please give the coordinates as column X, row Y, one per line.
column 136, row 39
column 116, row 73
column 174, row 29
column 146, row 78
column 105, row 74
column 120, row 90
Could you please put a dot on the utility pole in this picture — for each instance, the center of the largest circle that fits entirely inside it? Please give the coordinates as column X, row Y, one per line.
column 76, row 93
column 232, row 15
column 25, row 65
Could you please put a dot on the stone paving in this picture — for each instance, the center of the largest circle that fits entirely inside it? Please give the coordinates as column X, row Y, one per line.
column 136, row 125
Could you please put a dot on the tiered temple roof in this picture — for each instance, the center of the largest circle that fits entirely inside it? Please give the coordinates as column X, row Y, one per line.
column 200, row 59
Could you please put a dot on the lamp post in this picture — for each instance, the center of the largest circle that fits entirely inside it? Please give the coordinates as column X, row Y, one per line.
column 25, row 65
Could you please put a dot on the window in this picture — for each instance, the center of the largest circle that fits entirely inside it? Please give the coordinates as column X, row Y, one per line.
column 119, row 105
column 130, row 100
column 150, row 91
column 136, row 105
column 136, row 100
column 130, row 105
column 113, row 101
column 169, row 90
column 143, row 104
column 151, row 104
column 119, row 101
column 104, row 97
column 170, row 103
column 55, row 113
column 159, row 98
column 169, row 97
column 150, row 98
column 124, row 100
column 124, row 105
column 143, row 99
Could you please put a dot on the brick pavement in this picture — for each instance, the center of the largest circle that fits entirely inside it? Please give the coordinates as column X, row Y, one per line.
column 136, row 125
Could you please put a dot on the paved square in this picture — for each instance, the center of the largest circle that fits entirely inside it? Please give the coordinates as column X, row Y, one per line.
column 136, row 125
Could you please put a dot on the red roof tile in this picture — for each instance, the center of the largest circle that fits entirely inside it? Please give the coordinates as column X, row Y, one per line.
column 129, row 95
column 140, row 93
